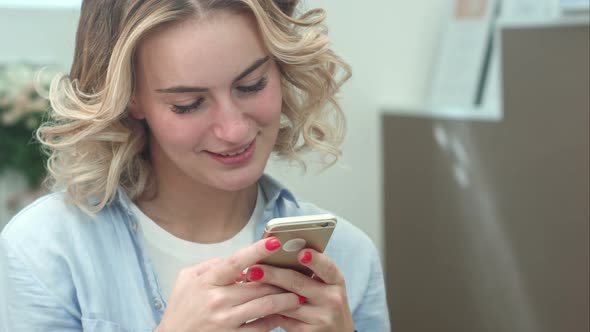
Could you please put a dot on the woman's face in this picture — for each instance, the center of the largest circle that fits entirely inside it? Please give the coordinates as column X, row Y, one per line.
column 212, row 99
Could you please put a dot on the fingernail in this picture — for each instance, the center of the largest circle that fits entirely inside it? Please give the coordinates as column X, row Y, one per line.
column 272, row 244
column 302, row 299
column 256, row 273
column 242, row 274
column 306, row 258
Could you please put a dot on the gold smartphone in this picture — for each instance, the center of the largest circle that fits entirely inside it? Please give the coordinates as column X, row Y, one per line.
column 296, row 233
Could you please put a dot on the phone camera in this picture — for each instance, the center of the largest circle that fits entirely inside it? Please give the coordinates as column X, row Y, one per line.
column 324, row 224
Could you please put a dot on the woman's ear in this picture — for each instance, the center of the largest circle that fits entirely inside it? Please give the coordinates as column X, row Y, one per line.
column 134, row 109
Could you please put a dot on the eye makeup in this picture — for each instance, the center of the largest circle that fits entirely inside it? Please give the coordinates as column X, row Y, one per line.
column 258, row 86
column 242, row 89
column 187, row 108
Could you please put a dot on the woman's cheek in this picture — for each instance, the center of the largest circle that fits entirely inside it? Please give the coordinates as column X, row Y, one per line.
column 179, row 132
column 270, row 103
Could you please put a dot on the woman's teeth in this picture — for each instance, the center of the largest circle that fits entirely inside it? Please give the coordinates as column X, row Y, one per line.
column 235, row 153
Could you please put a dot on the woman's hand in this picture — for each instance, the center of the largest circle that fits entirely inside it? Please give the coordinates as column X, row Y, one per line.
column 206, row 297
column 323, row 297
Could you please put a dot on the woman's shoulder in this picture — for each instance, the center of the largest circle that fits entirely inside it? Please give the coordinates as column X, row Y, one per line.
column 51, row 236
column 40, row 237
column 37, row 217
column 51, row 218
column 346, row 235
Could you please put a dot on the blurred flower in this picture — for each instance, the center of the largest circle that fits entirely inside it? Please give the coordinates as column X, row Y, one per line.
column 18, row 96
column 21, row 112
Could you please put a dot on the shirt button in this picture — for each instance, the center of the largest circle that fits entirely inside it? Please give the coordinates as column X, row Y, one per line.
column 158, row 304
column 134, row 227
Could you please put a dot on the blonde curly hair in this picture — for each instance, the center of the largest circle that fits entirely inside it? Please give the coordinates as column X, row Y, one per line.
column 95, row 146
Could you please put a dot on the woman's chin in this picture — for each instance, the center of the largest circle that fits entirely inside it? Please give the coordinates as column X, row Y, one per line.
column 236, row 182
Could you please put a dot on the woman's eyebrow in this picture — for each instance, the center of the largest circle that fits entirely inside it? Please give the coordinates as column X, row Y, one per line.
column 252, row 68
column 185, row 89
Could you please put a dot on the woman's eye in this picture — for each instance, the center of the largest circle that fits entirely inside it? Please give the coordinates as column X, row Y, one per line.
column 261, row 84
column 187, row 108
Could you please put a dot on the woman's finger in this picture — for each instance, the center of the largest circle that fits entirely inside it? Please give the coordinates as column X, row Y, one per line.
column 308, row 314
column 287, row 279
column 292, row 324
column 199, row 269
column 227, row 270
column 263, row 306
column 246, row 292
column 267, row 323
column 322, row 266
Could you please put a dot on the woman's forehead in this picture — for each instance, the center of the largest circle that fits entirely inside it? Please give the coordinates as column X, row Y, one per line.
column 213, row 49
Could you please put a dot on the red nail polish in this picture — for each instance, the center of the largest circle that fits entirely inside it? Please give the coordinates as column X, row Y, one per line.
column 256, row 273
column 302, row 299
column 284, row 317
column 242, row 274
column 306, row 258
column 272, row 244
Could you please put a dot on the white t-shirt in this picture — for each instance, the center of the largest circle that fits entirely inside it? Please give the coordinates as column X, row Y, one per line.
column 170, row 254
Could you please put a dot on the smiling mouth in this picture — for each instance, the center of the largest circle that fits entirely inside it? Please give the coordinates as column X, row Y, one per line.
column 241, row 150
column 236, row 157
column 235, row 153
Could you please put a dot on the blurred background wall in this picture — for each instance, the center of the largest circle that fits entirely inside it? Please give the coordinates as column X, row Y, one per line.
column 390, row 46
column 30, row 33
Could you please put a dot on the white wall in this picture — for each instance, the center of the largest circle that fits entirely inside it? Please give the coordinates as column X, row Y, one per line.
column 390, row 45
column 40, row 3
column 38, row 36
column 44, row 36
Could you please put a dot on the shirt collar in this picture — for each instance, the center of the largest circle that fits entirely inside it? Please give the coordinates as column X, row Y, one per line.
column 272, row 189
column 124, row 200
column 275, row 193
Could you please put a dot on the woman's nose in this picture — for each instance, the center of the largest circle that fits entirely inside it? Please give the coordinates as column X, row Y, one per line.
column 231, row 124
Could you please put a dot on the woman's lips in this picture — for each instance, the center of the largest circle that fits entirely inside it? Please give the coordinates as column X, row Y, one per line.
column 236, row 152
column 235, row 157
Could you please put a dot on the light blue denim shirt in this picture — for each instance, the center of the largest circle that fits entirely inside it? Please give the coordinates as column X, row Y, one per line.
column 61, row 270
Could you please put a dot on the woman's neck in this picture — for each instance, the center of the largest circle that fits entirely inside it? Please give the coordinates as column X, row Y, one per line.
column 195, row 212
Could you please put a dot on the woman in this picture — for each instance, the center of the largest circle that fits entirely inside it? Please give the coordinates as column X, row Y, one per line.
column 158, row 140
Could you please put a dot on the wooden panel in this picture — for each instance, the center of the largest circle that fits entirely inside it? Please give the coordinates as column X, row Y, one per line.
column 487, row 223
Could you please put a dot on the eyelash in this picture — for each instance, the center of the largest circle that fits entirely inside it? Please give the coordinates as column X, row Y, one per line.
column 258, row 86
column 187, row 108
